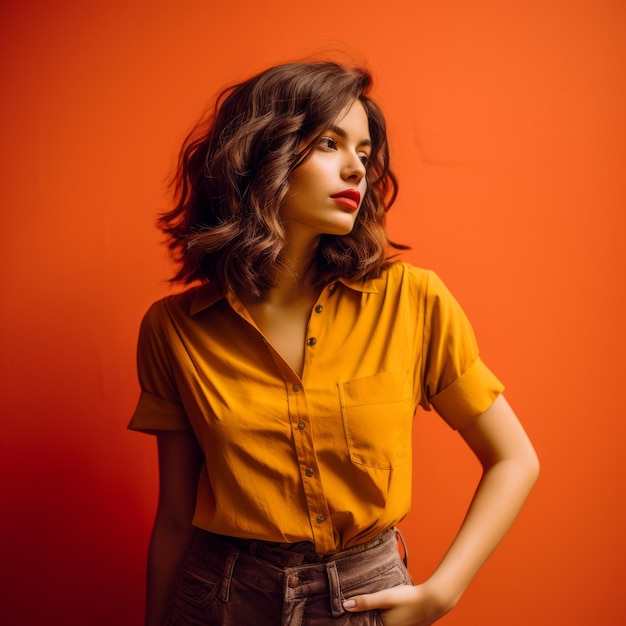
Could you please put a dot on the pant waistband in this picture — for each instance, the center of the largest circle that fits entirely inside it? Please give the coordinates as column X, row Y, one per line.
column 370, row 566
column 293, row 554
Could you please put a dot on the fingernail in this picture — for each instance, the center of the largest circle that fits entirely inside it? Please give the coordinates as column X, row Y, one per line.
column 349, row 604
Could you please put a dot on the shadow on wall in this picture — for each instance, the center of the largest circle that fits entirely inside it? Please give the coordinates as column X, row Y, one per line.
column 73, row 534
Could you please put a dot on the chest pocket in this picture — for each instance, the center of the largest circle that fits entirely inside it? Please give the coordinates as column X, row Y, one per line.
column 377, row 414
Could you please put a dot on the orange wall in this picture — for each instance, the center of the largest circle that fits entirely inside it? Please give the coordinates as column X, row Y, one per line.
column 507, row 122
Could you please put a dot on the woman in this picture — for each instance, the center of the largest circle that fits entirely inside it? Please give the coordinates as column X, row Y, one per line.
column 282, row 388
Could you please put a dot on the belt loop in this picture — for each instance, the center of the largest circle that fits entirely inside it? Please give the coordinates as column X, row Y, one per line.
column 229, row 566
column 334, row 594
column 405, row 550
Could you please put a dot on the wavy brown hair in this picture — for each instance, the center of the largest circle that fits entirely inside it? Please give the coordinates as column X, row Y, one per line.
column 233, row 175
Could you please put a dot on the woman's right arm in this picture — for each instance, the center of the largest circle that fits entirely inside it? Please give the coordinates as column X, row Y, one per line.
column 180, row 460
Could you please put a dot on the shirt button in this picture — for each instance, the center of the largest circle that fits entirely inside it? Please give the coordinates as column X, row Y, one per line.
column 301, row 425
column 296, row 388
column 319, row 308
column 319, row 519
column 311, row 341
column 293, row 581
column 309, row 472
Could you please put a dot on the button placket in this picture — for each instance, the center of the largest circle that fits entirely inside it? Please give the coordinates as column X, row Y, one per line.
column 316, row 323
column 302, row 428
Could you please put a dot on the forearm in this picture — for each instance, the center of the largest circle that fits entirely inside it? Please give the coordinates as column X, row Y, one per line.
column 180, row 460
column 500, row 495
column 168, row 547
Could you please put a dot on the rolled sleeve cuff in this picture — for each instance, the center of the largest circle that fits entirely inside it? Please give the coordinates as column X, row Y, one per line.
column 154, row 414
column 468, row 396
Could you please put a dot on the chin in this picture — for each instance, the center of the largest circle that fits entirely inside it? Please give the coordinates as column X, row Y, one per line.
column 339, row 232
column 343, row 228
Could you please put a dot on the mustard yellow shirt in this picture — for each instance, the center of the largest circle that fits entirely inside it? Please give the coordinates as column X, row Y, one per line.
column 325, row 458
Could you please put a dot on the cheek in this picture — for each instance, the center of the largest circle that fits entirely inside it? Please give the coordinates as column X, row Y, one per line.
column 300, row 184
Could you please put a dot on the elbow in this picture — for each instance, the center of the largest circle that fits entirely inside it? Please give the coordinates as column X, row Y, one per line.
column 523, row 468
column 534, row 467
column 172, row 527
column 528, row 468
column 174, row 520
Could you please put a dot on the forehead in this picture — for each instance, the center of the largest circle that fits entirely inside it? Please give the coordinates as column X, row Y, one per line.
column 353, row 121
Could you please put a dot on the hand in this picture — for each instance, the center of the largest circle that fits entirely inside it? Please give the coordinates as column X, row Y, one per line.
column 404, row 605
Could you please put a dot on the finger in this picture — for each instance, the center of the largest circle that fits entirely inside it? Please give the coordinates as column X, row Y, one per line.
column 378, row 600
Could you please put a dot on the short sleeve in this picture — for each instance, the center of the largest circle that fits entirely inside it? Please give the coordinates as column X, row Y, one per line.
column 159, row 406
column 455, row 381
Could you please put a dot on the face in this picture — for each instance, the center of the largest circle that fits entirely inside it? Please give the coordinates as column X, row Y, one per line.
column 326, row 191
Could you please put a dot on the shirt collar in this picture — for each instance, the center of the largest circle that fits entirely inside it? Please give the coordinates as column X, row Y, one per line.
column 208, row 294
column 363, row 286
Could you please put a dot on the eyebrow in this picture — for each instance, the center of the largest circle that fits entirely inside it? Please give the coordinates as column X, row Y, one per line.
column 342, row 133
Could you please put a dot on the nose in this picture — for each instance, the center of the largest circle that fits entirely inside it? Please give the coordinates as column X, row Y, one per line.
column 354, row 169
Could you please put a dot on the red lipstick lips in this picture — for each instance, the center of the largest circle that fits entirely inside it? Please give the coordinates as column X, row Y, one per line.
column 350, row 198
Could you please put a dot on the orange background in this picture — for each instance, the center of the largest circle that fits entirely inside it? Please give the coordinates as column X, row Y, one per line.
column 508, row 132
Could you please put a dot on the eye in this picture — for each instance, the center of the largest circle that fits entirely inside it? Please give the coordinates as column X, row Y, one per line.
column 365, row 159
column 328, row 143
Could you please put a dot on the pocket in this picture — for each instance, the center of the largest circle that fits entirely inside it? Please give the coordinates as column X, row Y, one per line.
column 197, row 588
column 393, row 576
column 194, row 602
column 377, row 414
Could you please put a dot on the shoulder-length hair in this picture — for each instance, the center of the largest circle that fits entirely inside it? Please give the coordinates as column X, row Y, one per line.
column 233, row 176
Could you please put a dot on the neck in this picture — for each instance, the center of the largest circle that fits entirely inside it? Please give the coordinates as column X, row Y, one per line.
column 300, row 248
column 298, row 257
column 290, row 289
column 294, row 284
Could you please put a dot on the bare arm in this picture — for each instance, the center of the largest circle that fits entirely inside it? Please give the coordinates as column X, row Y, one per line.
column 180, row 460
column 510, row 469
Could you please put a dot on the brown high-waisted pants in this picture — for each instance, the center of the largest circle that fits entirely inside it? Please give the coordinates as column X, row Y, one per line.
column 231, row 582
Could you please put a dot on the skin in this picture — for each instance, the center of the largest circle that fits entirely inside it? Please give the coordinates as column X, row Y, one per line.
column 510, row 469
column 509, row 463
column 337, row 163
column 180, row 460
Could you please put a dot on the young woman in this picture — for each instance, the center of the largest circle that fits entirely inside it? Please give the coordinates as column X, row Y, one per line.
column 282, row 387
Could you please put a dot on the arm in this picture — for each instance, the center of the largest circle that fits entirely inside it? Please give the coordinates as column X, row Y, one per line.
column 510, row 469
column 180, row 460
